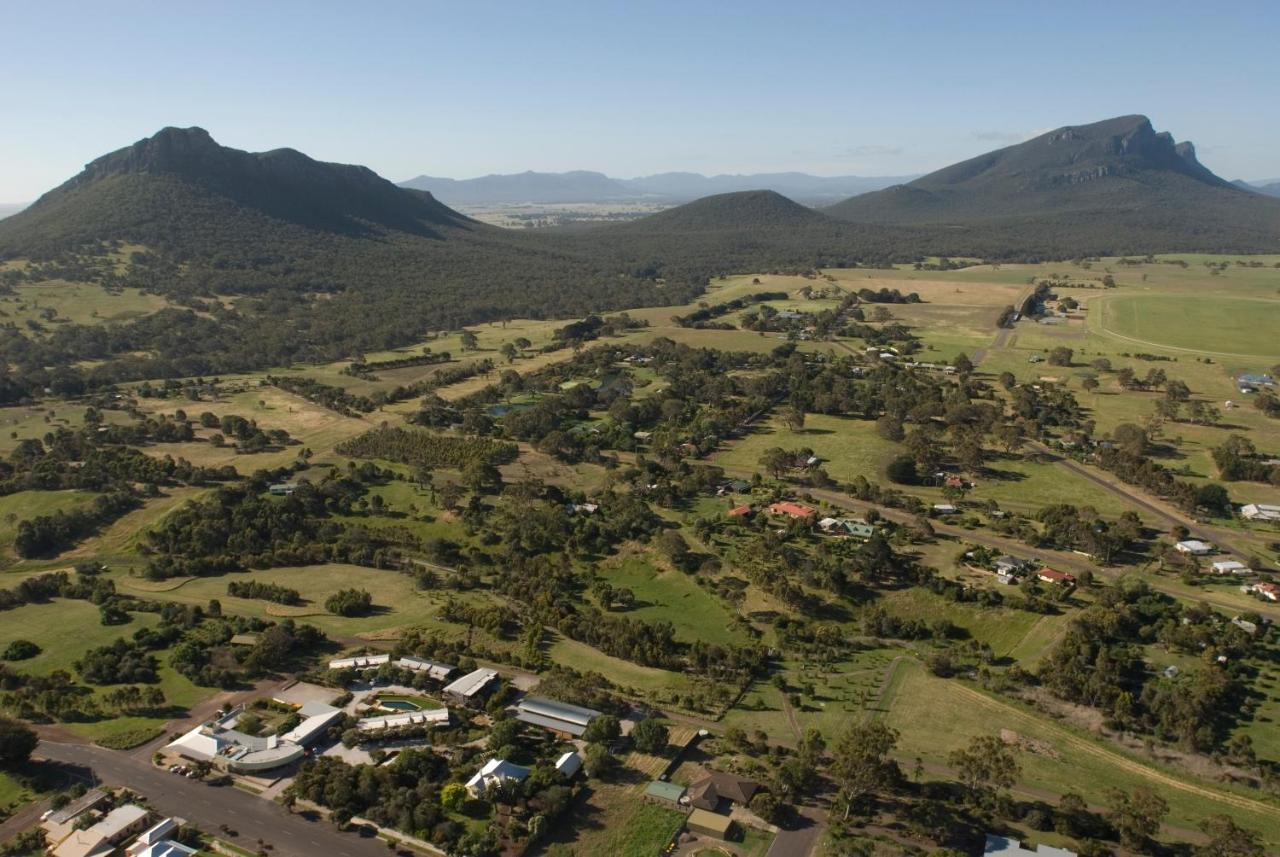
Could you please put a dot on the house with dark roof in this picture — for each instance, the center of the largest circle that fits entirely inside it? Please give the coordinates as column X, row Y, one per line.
column 715, row 786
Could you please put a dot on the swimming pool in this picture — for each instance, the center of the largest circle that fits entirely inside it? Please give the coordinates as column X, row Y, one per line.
column 399, row 705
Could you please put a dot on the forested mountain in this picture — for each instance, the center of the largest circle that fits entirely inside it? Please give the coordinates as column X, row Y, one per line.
column 323, row 260
column 1115, row 186
column 735, row 232
column 576, row 186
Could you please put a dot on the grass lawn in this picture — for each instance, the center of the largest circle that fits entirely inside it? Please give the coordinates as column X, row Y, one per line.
column 848, row 447
column 76, row 303
column 63, row 629
column 614, row 821
column 1209, row 323
column 1000, row 628
column 671, row 596
column 935, row 716
column 584, row 658
column 25, row 505
column 398, row 603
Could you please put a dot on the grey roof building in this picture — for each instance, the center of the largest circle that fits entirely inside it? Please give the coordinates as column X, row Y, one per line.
column 556, row 716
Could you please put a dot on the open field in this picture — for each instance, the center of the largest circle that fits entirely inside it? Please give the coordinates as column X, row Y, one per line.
column 1080, row 764
column 25, row 505
column 397, row 602
column 612, row 820
column 1206, row 324
column 670, row 596
column 53, row 303
column 63, row 629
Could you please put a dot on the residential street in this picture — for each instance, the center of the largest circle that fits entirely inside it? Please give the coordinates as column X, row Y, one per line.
column 208, row 807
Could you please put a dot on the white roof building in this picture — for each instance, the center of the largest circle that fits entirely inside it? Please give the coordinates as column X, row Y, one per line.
column 317, row 717
column 1260, row 512
column 945, row 508
column 155, row 842
column 434, row 669
column 407, row 718
column 1229, row 566
column 1002, row 846
column 472, row 685
column 494, row 771
column 360, row 662
column 569, row 764
column 1195, row 547
column 216, row 741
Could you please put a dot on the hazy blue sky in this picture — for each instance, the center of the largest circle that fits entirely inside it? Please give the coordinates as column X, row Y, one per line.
column 467, row 88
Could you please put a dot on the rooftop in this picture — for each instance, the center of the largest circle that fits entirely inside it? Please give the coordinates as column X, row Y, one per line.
column 472, row 683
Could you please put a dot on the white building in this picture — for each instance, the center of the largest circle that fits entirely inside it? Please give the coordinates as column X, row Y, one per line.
column 1002, row 846
column 219, row 742
column 360, row 662
column 1194, row 547
column 434, row 669
column 569, row 764
column 156, row 842
column 472, row 687
column 1229, row 566
column 1260, row 512
column 426, row 717
column 495, row 771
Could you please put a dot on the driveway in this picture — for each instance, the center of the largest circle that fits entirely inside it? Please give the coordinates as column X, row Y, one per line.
column 800, row 839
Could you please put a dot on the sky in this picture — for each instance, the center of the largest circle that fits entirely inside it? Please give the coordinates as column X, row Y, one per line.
column 469, row 88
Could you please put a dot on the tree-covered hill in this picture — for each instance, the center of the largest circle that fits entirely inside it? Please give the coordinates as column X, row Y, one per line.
column 1115, row 186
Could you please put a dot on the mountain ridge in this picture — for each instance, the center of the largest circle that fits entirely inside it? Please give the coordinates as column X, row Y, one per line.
column 1105, row 182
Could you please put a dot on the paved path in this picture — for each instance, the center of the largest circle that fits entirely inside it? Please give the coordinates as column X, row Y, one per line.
column 208, row 807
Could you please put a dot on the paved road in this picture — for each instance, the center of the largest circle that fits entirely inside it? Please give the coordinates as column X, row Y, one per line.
column 799, row 841
column 207, row 807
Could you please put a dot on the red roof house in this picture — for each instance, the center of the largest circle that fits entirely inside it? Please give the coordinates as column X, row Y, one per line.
column 791, row 510
column 740, row 512
column 1051, row 575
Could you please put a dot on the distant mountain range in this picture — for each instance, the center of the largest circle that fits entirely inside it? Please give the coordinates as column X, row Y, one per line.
column 581, row 186
column 1109, row 185
column 1271, row 187
column 281, row 228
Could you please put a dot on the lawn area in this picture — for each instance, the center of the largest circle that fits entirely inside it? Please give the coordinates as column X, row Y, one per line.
column 670, row 596
column 935, row 716
column 75, row 303
column 1000, row 628
column 313, row 427
column 584, row 658
column 398, row 603
column 122, row 535
column 614, row 821
column 848, row 447
column 1209, row 323
column 25, row 505
column 63, row 629
column 829, row 695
